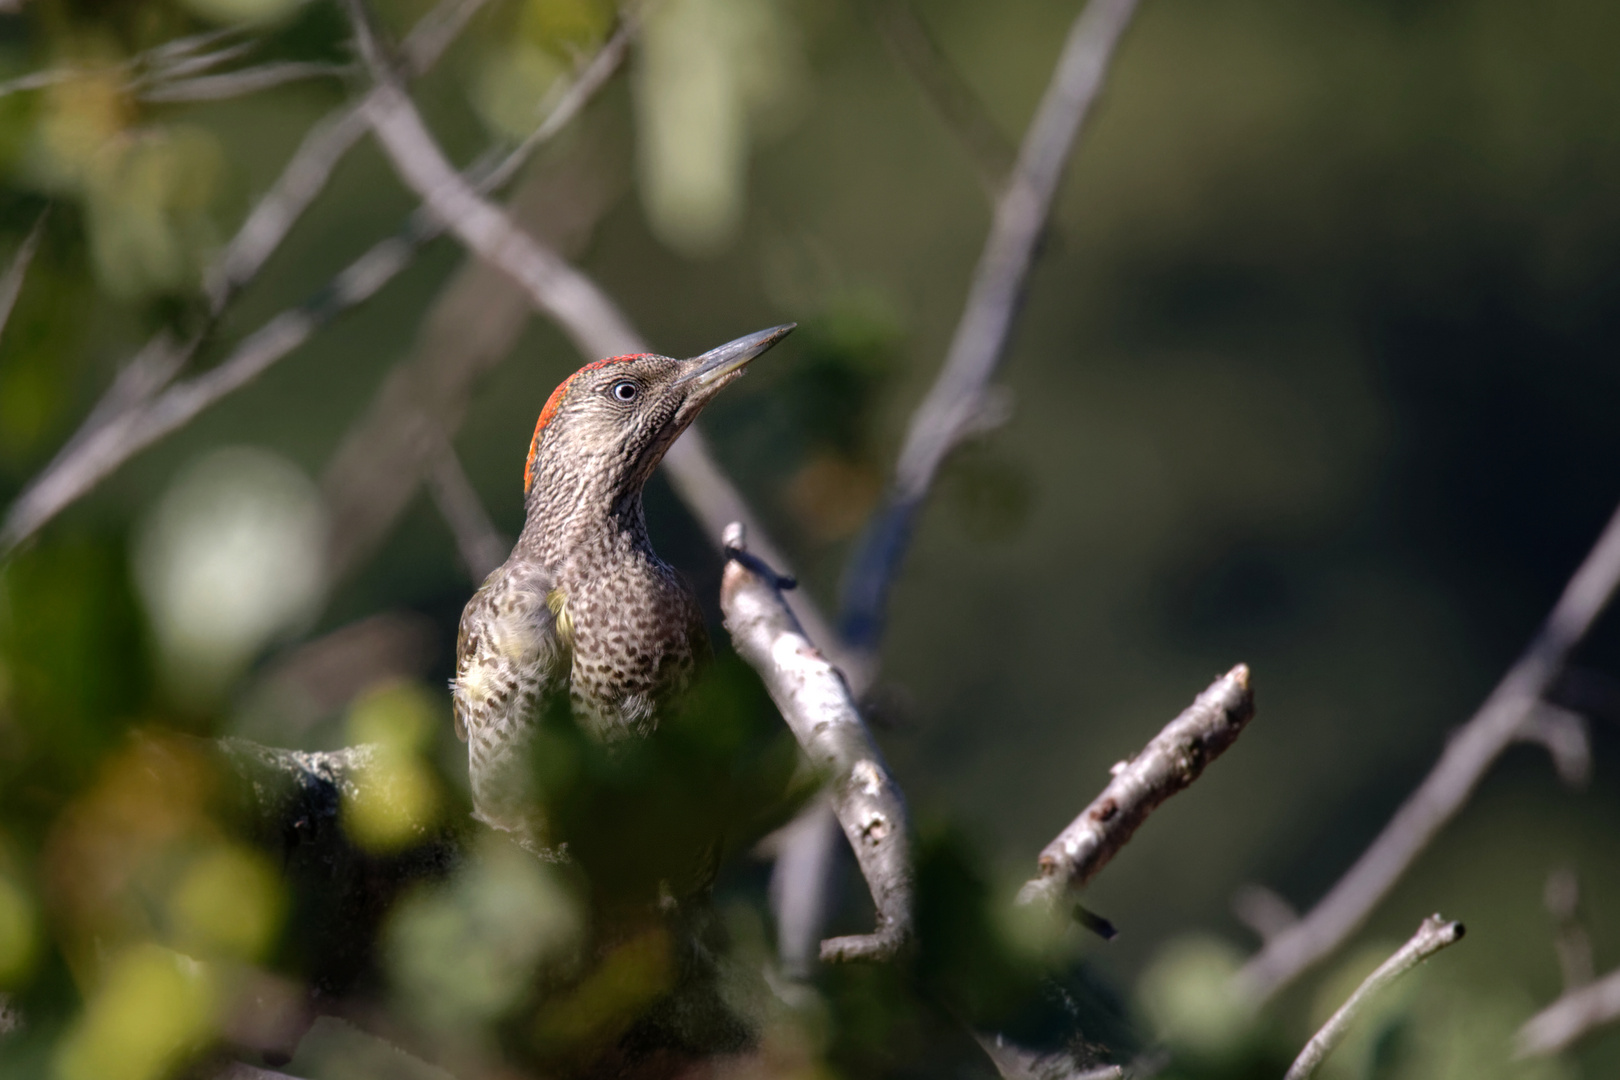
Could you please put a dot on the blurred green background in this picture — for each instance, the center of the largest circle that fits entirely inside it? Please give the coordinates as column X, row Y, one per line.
column 1317, row 371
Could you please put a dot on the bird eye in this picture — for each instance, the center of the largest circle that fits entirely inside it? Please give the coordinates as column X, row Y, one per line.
column 624, row 390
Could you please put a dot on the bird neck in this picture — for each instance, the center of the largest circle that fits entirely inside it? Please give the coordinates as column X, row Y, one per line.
column 581, row 533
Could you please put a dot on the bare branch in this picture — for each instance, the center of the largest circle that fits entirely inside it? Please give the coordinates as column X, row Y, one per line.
column 956, row 404
column 120, row 431
column 1014, row 1062
column 953, row 99
column 1170, row 762
column 184, row 58
column 11, row 282
column 1571, row 1018
column 273, row 216
column 36, row 80
column 1435, row 934
column 482, row 548
column 1562, row 897
column 1563, row 735
column 238, row 83
column 434, row 32
column 815, row 701
column 803, row 849
column 591, row 320
column 1469, row 753
column 1263, row 911
column 92, row 455
column 306, row 173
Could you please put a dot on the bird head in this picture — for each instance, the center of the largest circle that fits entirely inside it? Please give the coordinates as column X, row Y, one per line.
column 604, row 430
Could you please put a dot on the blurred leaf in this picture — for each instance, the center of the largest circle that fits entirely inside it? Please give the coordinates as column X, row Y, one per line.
column 396, row 797
column 1186, row 992
column 19, row 932
column 154, row 1008
column 510, row 84
column 608, row 999
column 228, row 903
column 74, row 662
column 148, row 197
column 464, row 953
column 706, row 68
column 567, row 27
column 229, row 559
column 236, row 12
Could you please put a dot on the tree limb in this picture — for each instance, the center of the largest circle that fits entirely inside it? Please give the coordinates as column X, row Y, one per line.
column 1433, row 935
column 1470, row 752
column 1571, row 1018
column 1170, row 762
column 815, row 701
column 958, row 403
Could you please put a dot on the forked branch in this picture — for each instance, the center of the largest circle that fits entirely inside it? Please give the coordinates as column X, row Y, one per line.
column 1499, row 722
column 815, row 701
column 959, row 402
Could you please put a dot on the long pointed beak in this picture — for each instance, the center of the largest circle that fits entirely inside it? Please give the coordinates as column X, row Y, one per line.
column 714, row 368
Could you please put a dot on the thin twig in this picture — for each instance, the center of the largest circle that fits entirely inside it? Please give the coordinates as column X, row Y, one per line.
column 1563, row 734
column 802, row 850
column 114, row 430
column 482, row 548
column 1469, row 753
column 958, row 405
column 238, row 83
column 1435, row 934
column 1263, row 911
column 909, row 41
column 591, row 320
column 815, row 701
column 1562, row 898
column 1170, row 762
column 307, row 171
column 93, row 455
column 36, row 80
column 1574, row 1016
column 184, row 58
column 11, row 282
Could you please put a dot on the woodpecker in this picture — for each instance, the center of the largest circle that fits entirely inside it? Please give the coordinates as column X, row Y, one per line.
column 583, row 606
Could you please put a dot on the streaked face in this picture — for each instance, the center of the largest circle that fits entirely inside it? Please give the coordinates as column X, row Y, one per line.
column 618, row 416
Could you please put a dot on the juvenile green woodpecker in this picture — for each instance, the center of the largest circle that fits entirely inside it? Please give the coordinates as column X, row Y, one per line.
column 583, row 606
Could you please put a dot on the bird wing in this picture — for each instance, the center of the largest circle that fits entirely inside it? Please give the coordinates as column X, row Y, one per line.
column 508, row 650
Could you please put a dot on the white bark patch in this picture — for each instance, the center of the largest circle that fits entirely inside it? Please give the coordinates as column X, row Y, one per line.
column 867, row 774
